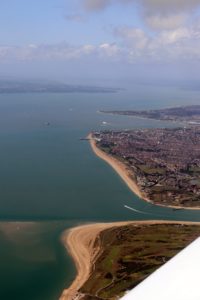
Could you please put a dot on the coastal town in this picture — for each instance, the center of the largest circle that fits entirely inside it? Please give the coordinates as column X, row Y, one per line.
column 164, row 163
column 188, row 114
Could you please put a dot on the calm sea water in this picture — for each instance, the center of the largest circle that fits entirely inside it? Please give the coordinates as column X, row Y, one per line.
column 50, row 181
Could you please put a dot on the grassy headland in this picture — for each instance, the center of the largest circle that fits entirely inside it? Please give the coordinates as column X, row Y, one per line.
column 113, row 258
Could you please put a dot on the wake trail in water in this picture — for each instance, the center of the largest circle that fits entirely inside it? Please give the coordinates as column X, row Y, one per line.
column 144, row 213
column 137, row 211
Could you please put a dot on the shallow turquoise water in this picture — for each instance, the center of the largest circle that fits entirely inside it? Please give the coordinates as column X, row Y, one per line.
column 52, row 179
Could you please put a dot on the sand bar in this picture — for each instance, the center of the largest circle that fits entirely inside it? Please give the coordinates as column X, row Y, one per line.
column 84, row 246
column 124, row 172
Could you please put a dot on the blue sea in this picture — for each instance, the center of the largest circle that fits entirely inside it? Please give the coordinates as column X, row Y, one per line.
column 50, row 180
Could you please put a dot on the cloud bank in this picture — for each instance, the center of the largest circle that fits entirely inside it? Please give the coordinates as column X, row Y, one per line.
column 96, row 5
column 157, row 14
column 132, row 45
column 172, row 39
column 161, row 6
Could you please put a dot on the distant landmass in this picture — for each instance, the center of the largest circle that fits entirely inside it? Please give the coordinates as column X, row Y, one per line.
column 189, row 114
column 26, row 86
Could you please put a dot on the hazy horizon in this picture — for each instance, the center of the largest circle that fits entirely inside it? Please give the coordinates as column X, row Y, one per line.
column 101, row 41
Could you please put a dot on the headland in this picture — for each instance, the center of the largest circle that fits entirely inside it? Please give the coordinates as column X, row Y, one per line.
column 95, row 247
column 189, row 114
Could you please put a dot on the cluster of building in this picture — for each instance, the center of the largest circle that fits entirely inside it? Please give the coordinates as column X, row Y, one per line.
column 165, row 163
column 189, row 114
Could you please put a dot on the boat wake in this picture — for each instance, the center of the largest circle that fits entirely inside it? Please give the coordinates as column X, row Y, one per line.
column 137, row 211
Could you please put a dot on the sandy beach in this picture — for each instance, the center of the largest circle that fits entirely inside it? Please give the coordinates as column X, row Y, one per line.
column 125, row 174
column 118, row 166
column 83, row 242
column 84, row 246
column 80, row 241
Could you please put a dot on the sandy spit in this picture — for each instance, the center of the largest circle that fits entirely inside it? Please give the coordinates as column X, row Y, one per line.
column 84, row 246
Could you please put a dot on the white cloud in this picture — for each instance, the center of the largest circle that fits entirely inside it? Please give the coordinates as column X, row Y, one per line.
column 56, row 52
column 160, row 22
column 131, row 45
column 168, row 45
column 169, row 6
column 164, row 6
column 109, row 50
column 173, row 38
column 167, row 14
column 133, row 37
column 62, row 51
column 96, row 5
column 158, row 14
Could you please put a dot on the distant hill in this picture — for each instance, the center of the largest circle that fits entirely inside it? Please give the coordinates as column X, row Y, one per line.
column 36, row 86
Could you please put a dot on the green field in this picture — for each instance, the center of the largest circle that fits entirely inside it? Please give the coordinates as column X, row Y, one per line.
column 131, row 253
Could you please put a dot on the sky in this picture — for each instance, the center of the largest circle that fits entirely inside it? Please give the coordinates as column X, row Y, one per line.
column 92, row 40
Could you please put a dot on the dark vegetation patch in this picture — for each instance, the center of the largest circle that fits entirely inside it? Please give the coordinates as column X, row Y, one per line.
column 131, row 253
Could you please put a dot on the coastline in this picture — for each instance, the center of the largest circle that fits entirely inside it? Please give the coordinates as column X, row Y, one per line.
column 178, row 122
column 84, row 246
column 83, row 243
column 124, row 173
column 118, row 166
column 80, row 243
